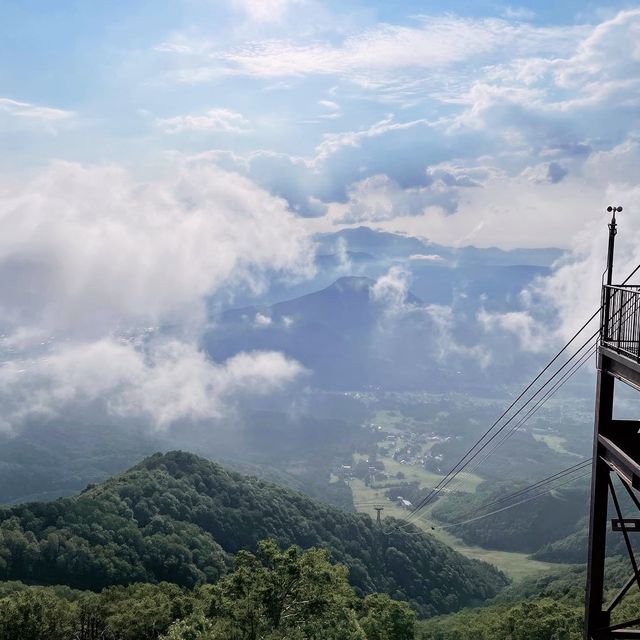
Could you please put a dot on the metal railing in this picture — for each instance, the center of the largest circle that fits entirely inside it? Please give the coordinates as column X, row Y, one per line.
column 620, row 326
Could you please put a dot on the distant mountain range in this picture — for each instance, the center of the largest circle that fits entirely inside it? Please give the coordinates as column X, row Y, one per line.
column 392, row 245
column 439, row 273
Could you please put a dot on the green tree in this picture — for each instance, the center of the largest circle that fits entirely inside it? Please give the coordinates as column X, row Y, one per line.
column 194, row 628
column 36, row 614
column 382, row 618
column 141, row 611
column 284, row 594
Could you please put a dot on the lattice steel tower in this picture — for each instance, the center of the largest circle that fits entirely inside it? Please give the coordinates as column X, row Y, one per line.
column 616, row 451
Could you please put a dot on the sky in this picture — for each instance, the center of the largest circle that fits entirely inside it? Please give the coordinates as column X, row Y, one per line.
column 157, row 152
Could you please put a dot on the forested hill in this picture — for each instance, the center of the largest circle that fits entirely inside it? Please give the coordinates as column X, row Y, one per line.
column 178, row 517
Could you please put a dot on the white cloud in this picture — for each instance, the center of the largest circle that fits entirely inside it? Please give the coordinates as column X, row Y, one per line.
column 89, row 247
column 329, row 104
column 531, row 335
column 532, row 209
column 392, row 289
column 536, row 99
column 342, row 254
column 435, row 323
column 33, row 112
column 333, row 142
column 554, row 307
column 224, row 120
column 386, row 59
column 262, row 320
column 518, row 13
column 443, row 320
column 430, row 257
column 436, row 42
column 380, row 198
column 169, row 382
column 24, row 116
column 88, row 253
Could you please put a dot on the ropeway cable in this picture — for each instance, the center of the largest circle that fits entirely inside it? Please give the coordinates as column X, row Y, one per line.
column 511, row 506
column 557, row 386
column 459, row 466
column 536, row 485
column 472, row 453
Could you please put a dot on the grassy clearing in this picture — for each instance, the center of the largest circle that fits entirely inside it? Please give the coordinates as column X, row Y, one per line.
column 417, row 473
column 555, row 443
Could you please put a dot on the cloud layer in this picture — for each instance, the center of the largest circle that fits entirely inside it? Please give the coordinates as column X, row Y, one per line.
column 96, row 268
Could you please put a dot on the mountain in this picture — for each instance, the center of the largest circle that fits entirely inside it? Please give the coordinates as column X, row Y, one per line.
column 51, row 459
column 343, row 334
column 358, row 333
column 178, row 517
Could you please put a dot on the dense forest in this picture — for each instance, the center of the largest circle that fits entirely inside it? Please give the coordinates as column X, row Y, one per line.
column 549, row 607
column 527, row 527
column 290, row 594
column 271, row 595
column 179, row 518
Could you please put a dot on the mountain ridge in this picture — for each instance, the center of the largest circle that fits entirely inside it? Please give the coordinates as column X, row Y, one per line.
column 178, row 517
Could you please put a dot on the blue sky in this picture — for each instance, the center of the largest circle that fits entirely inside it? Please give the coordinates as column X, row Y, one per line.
column 159, row 152
column 311, row 100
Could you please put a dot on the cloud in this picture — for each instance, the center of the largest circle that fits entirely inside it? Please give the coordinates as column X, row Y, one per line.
column 546, row 172
column 446, row 343
column 168, row 382
column 26, row 116
column 262, row 320
column 431, row 328
column 431, row 257
column 518, row 13
column 437, row 42
column 552, row 98
column 390, row 63
column 329, row 104
column 89, row 256
column 516, row 113
column 554, row 307
column 33, row 112
column 224, row 120
column 87, row 246
column 531, row 335
column 380, row 198
column 533, row 208
column 391, row 290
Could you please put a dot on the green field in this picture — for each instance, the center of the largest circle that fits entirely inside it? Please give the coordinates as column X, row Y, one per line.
column 554, row 442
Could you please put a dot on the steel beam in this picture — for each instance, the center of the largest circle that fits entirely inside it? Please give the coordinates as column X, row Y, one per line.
column 596, row 618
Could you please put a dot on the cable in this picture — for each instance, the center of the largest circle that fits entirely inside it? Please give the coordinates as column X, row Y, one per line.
column 473, row 452
column 457, row 469
column 552, row 478
column 558, row 385
column 461, row 464
column 511, row 506
column 565, row 378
